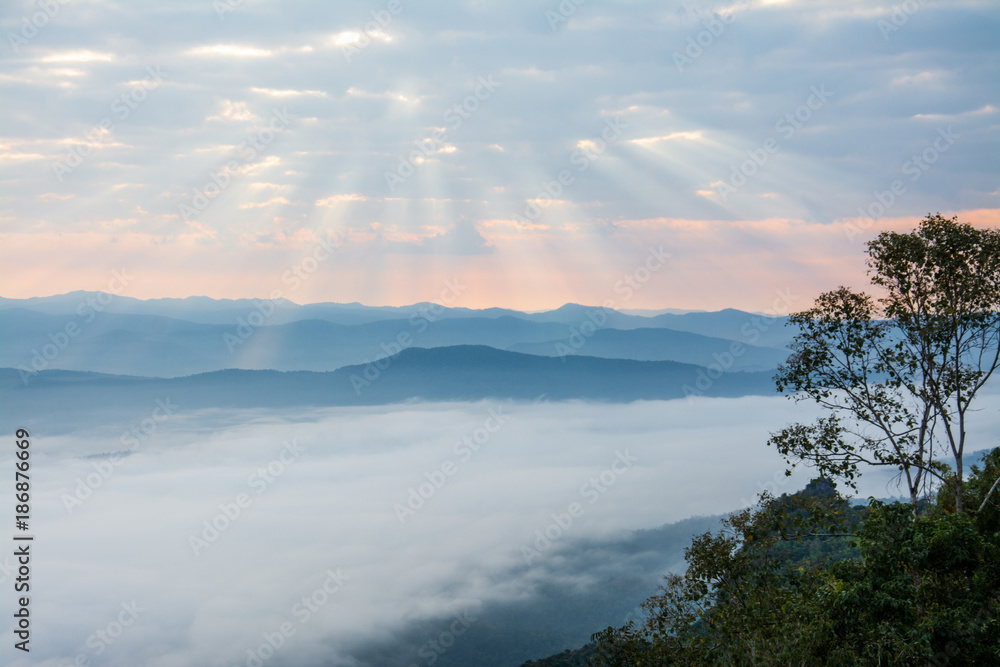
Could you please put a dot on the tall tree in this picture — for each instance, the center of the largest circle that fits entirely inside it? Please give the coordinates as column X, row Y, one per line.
column 899, row 374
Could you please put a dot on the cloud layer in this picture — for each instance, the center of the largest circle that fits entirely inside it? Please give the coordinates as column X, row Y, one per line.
column 325, row 515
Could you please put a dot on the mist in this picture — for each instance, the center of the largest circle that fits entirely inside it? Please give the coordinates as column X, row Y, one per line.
column 207, row 535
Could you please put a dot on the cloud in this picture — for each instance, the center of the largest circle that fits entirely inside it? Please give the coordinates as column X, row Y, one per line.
column 690, row 136
column 77, row 57
column 387, row 95
column 333, row 507
column 351, row 122
column 237, row 111
column 340, row 199
column 270, row 92
column 269, row 202
column 461, row 239
column 231, row 50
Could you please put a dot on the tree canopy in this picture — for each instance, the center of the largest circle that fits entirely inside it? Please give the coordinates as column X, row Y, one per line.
column 899, row 374
column 809, row 579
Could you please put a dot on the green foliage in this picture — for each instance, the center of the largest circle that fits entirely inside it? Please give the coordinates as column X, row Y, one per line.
column 899, row 374
column 925, row 586
column 981, row 493
column 816, row 506
column 749, row 592
column 578, row 658
column 808, row 579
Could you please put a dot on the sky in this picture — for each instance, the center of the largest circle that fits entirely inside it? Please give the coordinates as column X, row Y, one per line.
column 716, row 154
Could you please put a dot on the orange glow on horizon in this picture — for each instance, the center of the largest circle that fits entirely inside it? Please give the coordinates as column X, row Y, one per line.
column 713, row 265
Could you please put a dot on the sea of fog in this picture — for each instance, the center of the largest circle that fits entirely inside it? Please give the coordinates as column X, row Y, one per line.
column 330, row 531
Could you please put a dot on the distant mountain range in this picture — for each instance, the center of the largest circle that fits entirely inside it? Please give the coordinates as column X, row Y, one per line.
column 458, row 373
column 87, row 356
column 662, row 345
column 177, row 337
column 205, row 310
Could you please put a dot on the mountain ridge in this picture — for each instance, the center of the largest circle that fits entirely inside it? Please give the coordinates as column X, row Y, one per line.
column 158, row 345
column 454, row 373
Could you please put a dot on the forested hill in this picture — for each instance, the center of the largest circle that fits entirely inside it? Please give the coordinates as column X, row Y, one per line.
column 459, row 373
